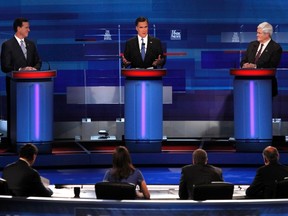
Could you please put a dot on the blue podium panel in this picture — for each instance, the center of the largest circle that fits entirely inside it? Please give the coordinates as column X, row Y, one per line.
column 144, row 113
column 32, row 109
column 34, row 112
column 143, row 110
column 253, row 109
column 252, row 114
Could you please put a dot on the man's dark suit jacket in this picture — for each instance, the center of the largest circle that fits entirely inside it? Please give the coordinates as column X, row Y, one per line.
column 12, row 57
column 132, row 52
column 264, row 182
column 197, row 174
column 270, row 58
column 24, row 181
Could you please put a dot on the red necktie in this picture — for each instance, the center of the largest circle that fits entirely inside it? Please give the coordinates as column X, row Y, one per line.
column 258, row 54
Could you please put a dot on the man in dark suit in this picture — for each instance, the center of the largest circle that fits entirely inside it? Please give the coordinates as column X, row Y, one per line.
column 200, row 172
column 22, row 179
column 264, row 182
column 13, row 58
column 151, row 46
column 264, row 52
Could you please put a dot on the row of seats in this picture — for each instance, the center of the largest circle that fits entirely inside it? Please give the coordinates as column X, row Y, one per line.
column 119, row 191
column 213, row 191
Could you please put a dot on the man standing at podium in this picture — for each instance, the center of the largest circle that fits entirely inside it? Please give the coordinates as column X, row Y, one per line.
column 18, row 53
column 143, row 51
column 264, row 52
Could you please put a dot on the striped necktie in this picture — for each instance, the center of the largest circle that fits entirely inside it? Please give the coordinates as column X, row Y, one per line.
column 258, row 54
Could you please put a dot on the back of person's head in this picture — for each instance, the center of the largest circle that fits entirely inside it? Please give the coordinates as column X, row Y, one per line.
column 28, row 151
column 200, row 157
column 141, row 19
column 266, row 27
column 270, row 155
column 122, row 165
column 18, row 22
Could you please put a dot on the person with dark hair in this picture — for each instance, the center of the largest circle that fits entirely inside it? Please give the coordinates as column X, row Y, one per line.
column 263, row 53
column 143, row 51
column 124, row 171
column 266, row 176
column 200, row 172
column 22, row 179
column 18, row 53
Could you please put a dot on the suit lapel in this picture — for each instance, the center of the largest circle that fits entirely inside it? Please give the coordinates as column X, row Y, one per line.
column 149, row 44
column 266, row 50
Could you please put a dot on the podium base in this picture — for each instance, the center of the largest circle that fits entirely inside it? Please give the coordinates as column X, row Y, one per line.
column 146, row 146
column 43, row 147
column 252, row 145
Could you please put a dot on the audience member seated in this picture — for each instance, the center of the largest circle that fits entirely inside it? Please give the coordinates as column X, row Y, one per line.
column 22, row 179
column 264, row 182
column 123, row 171
column 200, row 172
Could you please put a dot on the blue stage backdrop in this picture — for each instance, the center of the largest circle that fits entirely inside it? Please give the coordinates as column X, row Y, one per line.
column 83, row 41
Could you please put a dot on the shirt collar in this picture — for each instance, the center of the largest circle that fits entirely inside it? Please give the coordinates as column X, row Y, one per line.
column 22, row 159
column 145, row 39
column 266, row 43
column 19, row 40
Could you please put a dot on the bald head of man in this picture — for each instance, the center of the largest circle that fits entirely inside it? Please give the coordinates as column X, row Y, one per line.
column 270, row 155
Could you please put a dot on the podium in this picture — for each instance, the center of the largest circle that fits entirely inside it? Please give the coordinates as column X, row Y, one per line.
column 32, row 109
column 252, row 108
column 143, row 130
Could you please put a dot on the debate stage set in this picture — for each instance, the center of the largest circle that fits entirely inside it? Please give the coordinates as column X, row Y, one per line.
column 77, row 164
column 83, row 103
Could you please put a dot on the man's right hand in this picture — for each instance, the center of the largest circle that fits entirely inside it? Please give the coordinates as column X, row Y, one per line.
column 125, row 61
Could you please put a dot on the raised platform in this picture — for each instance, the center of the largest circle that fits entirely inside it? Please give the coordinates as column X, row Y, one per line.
column 174, row 152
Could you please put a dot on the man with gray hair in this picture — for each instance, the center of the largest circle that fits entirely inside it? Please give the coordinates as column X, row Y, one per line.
column 200, row 172
column 263, row 53
column 266, row 176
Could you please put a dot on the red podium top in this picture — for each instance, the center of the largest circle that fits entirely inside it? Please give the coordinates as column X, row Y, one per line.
column 253, row 72
column 143, row 72
column 33, row 74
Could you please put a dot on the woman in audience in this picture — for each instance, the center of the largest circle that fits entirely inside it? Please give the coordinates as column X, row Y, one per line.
column 124, row 171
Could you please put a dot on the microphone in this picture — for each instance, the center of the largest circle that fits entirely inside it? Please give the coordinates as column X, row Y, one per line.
column 49, row 68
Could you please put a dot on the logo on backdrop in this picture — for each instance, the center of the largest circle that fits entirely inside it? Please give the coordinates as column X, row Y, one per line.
column 107, row 35
column 175, row 35
column 235, row 37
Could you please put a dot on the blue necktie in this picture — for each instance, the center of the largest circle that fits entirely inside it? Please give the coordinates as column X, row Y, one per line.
column 143, row 49
column 23, row 48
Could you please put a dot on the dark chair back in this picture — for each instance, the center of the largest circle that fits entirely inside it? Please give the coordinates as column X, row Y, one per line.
column 217, row 190
column 115, row 190
column 4, row 190
column 281, row 189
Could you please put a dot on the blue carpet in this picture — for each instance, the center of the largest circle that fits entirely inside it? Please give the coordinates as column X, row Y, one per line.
column 161, row 176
